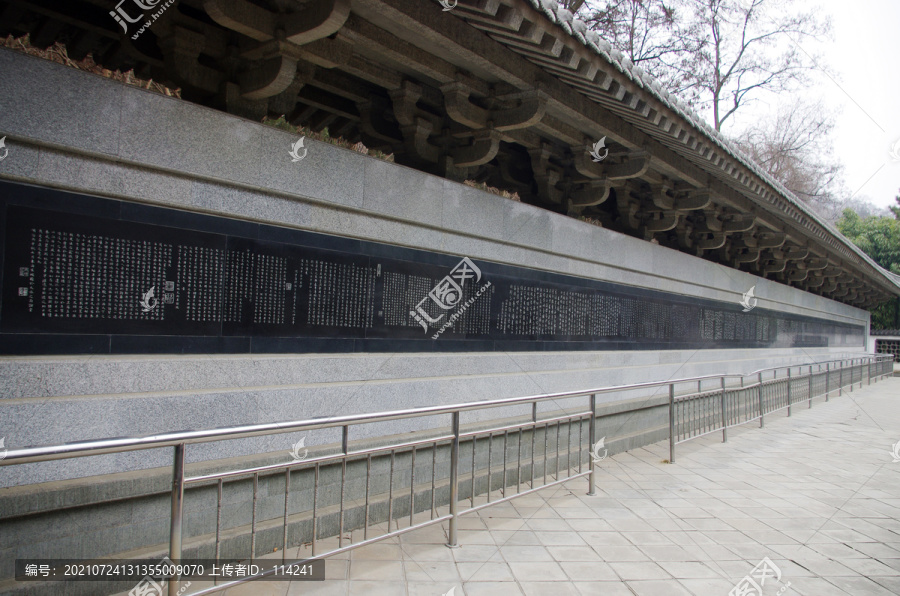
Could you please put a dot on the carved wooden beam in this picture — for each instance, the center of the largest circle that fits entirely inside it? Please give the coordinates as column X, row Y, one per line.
column 483, row 149
column 317, row 20
column 531, row 108
column 273, row 75
column 770, row 239
column 181, row 48
column 746, row 255
column 593, row 193
column 695, row 199
column 739, row 223
column 635, row 165
column 545, row 175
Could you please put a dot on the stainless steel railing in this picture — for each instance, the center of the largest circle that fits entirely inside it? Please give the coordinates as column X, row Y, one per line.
column 731, row 400
column 539, row 442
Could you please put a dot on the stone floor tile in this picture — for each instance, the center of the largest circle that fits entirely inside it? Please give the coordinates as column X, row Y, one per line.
column 557, row 588
column 529, row 571
column 639, row 570
column 658, row 588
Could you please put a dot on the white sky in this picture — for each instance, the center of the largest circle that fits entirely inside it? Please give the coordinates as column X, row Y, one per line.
column 866, row 95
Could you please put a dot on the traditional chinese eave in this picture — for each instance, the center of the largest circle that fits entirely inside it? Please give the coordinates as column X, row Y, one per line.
column 508, row 92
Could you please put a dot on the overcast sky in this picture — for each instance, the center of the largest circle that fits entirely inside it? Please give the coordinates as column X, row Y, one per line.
column 866, row 54
column 866, row 95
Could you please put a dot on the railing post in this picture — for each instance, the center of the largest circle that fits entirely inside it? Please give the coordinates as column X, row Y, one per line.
column 671, row 423
column 759, row 393
column 852, row 367
column 860, row 372
column 827, row 379
column 177, row 515
column 841, row 378
column 789, row 391
column 454, row 482
column 592, row 437
column 724, row 413
column 809, row 393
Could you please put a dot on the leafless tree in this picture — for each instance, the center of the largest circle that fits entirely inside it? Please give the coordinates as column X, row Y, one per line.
column 657, row 35
column 715, row 54
column 753, row 46
column 794, row 147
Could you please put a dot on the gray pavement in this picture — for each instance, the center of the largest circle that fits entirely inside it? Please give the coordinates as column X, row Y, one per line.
column 818, row 494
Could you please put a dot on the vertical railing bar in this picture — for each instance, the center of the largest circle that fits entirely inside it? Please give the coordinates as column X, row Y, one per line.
column 287, row 496
column 671, row 423
column 810, row 395
column 505, row 449
column 490, row 464
column 592, row 439
column 474, row 445
column 368, row 484
column 789, row 391
column 315, row 517
column 412, row 486
column 568, row 446
column 177, row 514
column 434, row 471
column 546, row 449
column 519, row 461
column 345, row 448
column 580, row 441
column 454, row 482
column 690, row 417
column 218, row 526
column 391, row 491
column 760, row 394
column 724, row 413
column 533, row 433
column 253, row 518
column 841, row 378
column 557, row 450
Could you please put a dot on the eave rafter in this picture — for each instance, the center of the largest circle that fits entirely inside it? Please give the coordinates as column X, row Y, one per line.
column 494, row 90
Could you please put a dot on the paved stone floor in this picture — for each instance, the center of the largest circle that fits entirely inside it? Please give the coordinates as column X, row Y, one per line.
column 817, row 493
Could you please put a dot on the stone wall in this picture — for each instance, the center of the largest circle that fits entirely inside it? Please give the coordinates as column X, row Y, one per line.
column 75, row 131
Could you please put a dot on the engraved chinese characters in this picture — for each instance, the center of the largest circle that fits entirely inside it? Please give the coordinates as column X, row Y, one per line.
column 91, row 276
column 174, row 278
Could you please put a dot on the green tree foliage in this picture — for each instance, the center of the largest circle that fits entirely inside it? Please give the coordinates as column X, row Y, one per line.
column 878, row 237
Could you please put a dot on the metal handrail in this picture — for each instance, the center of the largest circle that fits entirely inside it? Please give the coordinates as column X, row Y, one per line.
column 699, row 422
column 118, row 445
